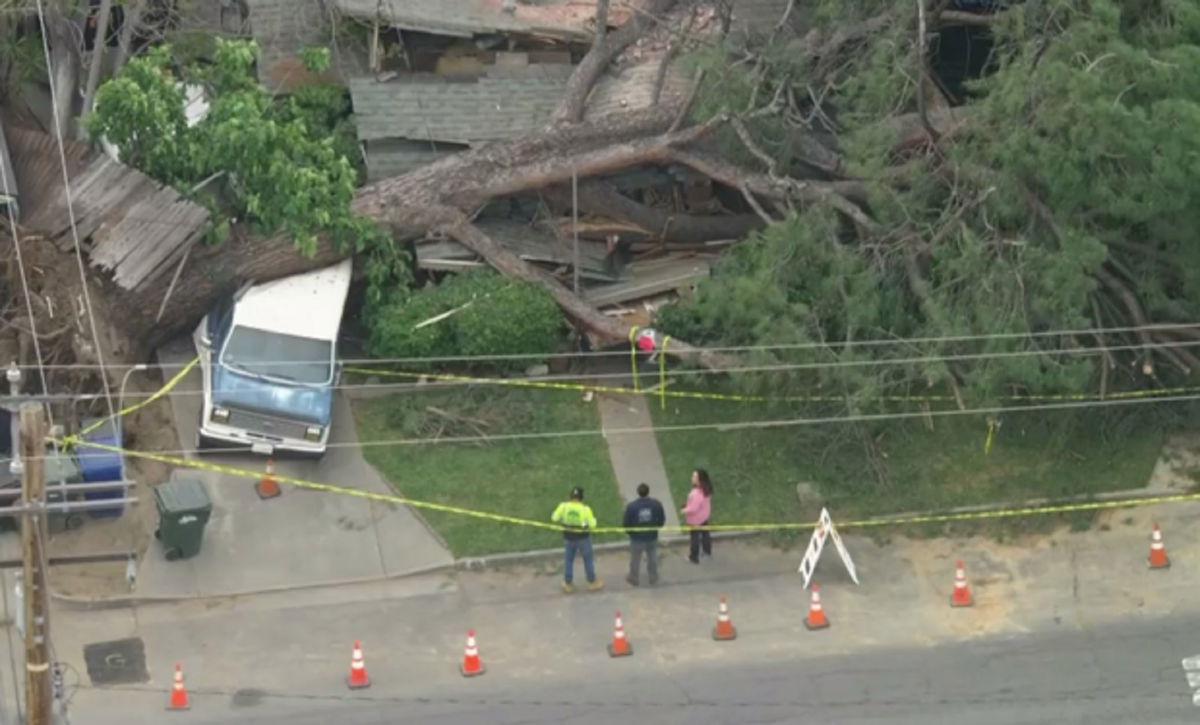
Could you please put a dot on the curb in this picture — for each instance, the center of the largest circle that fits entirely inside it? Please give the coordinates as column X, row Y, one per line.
column 1134, row 495
column 134, row 600
column 463, row 564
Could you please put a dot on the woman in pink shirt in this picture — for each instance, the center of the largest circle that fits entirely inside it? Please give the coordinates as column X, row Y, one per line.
column 697, row 512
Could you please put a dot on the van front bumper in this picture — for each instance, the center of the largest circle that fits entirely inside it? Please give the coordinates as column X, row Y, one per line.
column 214, row 433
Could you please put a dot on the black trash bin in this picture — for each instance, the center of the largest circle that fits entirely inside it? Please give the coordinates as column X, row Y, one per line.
column 183, row 510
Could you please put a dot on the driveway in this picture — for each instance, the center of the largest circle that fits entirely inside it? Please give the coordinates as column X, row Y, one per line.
column 303, row 538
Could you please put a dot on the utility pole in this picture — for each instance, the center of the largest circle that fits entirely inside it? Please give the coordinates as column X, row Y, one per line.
column 33, row 535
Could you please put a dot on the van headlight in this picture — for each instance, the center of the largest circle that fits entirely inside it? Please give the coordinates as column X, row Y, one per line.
column 220, row 415
column 313, row 433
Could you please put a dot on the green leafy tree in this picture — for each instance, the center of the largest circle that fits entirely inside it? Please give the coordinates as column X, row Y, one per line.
column 286, row 161
column 1069, row 200
column 1064, row 195
column 484, row 314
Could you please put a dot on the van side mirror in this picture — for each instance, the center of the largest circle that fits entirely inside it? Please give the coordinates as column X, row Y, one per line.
column 205, row 340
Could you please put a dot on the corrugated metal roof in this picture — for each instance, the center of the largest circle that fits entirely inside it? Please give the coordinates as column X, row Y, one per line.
column 136, row 227
column 426, row 107
column 458, row 18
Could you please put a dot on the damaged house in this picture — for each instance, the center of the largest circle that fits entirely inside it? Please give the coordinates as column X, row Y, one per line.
column 450, row 75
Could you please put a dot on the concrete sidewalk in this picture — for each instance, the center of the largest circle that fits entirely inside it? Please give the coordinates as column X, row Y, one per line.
column 303, row 538
column 413, row 631
column 635, row 456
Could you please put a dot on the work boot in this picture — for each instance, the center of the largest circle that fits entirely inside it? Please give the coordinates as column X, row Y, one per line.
column 568, row 588
column 595, row 586
column 632, row 582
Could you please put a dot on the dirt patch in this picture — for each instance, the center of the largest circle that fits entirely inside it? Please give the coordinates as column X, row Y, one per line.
column 151, row 428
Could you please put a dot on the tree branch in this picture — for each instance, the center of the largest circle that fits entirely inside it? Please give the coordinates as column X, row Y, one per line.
column 831, row 193
column 604, row 48
column 605, row 330
column 598, row 197
column 960, row 17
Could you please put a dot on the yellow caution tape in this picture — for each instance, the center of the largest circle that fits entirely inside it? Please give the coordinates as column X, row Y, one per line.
column 987, row 444
column 137, row 406
column 662, row 374
column 516, row 520
column 734, row 397
column 519, row 521
column 633, row 358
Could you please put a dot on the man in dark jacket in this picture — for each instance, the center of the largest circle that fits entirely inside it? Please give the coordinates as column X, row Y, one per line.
column 647, row 514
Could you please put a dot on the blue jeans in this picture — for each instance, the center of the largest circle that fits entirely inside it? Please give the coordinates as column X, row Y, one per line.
column 584, row 547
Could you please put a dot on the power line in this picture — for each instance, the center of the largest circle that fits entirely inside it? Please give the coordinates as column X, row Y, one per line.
column 37, row 346
column 734, row 425
column 62, row 158
column 876, row 342
column 586, row 378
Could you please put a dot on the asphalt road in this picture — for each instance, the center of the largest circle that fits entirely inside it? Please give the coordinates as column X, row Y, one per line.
column 1120, row 675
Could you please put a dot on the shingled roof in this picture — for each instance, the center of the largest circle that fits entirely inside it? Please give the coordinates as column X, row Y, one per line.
column 283, row 28
column 426, row 107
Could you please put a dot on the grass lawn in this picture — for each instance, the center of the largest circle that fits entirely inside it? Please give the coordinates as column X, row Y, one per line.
column 523, row 478
column 755, row 471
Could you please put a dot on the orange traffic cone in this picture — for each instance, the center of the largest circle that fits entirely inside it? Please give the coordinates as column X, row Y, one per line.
column 179, row 696
column 816, row 615
column 962, row 594
column 267, row 486
column 620, row 646
column 1158, row 552
column 358, row 669
column 471, row 665
column 724, row 629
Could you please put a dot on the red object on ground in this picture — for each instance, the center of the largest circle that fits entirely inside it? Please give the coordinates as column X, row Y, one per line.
column 267, row 486
column 358, row 669
column 962, row 593
column 620, row 646
column 816, row 614
column 471, row 665
column 179, row 696
column 724, row 629
column 1158, row 550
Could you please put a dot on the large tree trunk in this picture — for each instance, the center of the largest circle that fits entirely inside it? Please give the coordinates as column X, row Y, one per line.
column 598, row 197
column 63, row 36
column 443, row 196
column 97, row 62
column 429, row 199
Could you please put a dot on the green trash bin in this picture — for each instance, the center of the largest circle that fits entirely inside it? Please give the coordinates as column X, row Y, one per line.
column 183, row 509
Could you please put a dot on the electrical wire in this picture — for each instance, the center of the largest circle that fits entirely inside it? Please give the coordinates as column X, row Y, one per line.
column 12, row 659
column 725, row 426
column 62, row 158
column 584, row 379
column 876, row 342
column 24, row 285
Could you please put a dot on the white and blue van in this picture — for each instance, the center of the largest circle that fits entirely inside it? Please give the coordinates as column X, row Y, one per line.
column 269, row 362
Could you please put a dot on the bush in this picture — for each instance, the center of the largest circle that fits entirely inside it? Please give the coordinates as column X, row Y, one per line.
column 493, row 316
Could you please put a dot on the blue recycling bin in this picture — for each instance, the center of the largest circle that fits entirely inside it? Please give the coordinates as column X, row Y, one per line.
column 99, row 465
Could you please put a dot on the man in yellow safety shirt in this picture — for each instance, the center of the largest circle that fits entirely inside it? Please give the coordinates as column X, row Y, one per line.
column 577, row 521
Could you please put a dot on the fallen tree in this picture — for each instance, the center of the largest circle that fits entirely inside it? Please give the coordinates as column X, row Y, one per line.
column 440, row 199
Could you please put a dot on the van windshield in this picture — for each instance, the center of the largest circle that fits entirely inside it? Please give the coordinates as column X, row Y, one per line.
column 273, row 354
